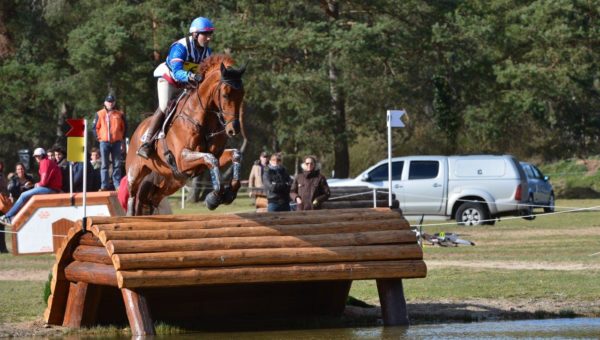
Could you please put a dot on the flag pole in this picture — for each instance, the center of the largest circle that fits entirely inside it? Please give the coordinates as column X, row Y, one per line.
column 84, row 219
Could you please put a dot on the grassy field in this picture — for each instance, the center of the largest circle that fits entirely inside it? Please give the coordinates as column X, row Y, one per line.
column 550, row 265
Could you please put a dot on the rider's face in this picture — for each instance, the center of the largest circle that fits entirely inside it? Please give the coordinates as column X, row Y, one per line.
column 204, row 38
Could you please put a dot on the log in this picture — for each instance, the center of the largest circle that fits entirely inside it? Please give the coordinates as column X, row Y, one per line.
column 393, row 303
column 88, row 239
column 245, row 257
column 325, row 240
column 361, row 196
column 95, row 220
column 100, row 274
column 138, row 313
column 82, row 305
column 275, row 273
column 342, row 204
column 290, row 230
column 92, row 254
column 263, row 220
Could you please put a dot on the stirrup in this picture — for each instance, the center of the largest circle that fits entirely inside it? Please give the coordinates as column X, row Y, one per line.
column 145, row 150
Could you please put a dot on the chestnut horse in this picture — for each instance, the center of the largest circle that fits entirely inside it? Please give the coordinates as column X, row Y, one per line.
column 196, row 134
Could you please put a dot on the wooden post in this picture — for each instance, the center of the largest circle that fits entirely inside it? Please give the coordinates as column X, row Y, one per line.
column 138, row 313
column 82, row 305
column 393, row 304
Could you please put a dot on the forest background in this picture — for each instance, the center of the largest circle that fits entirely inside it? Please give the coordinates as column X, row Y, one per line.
column 475, row 76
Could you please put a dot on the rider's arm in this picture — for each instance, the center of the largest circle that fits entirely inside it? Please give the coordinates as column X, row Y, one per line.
column 175, row 60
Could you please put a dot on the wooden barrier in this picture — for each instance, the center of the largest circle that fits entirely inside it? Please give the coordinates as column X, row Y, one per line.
column 41, row 225
column 357, row 197
column 211, row 267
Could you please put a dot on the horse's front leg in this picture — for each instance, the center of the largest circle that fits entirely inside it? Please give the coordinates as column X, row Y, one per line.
column 194, row 159
column 235, row 157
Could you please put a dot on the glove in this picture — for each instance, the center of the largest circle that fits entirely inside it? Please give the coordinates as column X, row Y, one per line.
column 315, row 203
column 195, row 78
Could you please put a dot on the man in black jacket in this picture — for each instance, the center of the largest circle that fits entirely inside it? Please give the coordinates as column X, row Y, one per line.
column 277, row 183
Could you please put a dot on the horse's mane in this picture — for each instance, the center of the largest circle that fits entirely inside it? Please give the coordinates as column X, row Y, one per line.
column 213, row 61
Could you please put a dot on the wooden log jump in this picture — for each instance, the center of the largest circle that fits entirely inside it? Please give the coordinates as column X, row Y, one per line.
column 357, row 197
column 217, row 266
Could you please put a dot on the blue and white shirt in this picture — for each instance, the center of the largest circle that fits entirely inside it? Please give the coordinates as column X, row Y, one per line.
column 184, row 56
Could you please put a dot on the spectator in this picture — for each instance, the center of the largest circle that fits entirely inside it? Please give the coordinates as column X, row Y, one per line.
column 3, row 248
column 60, row 157
column 91, row 183
column 277, row 182
column 50, row 153
column 310, row 188
column 110, row 127
column 95, row 158
column 50, row 182
column 19, row 182
column 96, row 163
column 3, row 181
column 255, row 184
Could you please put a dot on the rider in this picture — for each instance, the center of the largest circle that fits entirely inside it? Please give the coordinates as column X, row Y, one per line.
column 179, row 70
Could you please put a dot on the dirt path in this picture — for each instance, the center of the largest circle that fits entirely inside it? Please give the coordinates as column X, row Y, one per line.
column 512, row 265
column 23, row 275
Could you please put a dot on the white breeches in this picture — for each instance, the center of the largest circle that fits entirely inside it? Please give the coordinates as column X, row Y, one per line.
column 165, row 91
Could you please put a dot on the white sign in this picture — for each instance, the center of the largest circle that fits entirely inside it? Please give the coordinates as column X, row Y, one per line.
column 394, row 118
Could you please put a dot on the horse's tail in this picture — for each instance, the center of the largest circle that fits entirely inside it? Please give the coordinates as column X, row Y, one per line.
column 123, row 193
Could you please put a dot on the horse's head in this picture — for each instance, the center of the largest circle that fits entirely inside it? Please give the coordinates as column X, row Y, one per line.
column 228, row 98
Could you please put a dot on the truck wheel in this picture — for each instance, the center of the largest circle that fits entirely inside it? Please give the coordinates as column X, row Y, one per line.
column 528, row 214
column 550, row 207
column 471, row 213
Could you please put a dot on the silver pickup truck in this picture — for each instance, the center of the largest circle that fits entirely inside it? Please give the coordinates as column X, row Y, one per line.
column 472, row 189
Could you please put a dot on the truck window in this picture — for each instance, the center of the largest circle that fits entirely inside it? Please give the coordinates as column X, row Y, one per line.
column 529, row 171
column 537, row 172
column 423, row 169
column 380, row 173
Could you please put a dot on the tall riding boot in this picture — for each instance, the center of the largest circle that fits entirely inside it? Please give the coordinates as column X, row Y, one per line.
column 147, row 148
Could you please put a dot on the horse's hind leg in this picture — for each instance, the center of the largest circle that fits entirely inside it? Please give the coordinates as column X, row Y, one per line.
column 234, row 156
column 146, row 194
column 135, row 176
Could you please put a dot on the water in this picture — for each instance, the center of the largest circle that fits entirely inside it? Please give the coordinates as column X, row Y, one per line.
column 580, row 328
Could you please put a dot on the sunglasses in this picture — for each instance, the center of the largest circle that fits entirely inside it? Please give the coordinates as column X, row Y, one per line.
column 206, row 33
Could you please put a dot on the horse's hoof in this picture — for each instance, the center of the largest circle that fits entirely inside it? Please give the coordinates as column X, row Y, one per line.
column 228, row 196
column 212, row 201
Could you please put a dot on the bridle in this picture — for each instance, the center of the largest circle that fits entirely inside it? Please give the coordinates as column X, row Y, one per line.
column 220, row 113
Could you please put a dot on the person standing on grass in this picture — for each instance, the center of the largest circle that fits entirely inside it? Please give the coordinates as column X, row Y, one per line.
column 255, row 184
column 277, row 183
column 110, row 127
column 310, row 188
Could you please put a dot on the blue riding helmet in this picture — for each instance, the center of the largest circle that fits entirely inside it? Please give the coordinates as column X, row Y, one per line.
column 201, row 24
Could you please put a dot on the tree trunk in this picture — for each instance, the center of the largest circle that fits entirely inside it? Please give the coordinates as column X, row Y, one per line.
column 6, row 45
column 341, row 164
column 60, row 124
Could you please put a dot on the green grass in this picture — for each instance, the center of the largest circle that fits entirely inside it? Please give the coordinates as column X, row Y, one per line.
column 21, row 300
column 242, row 203
column 571, row 178
column 460, row 284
